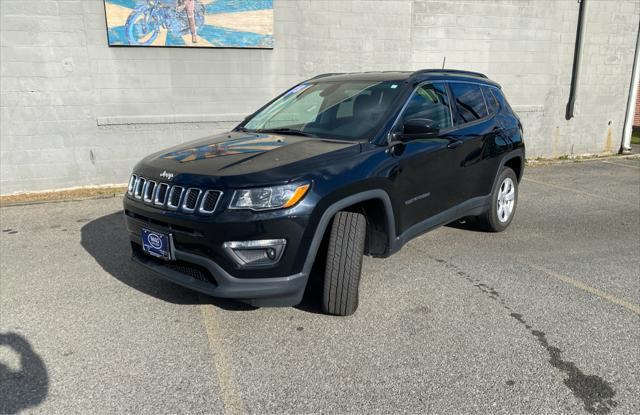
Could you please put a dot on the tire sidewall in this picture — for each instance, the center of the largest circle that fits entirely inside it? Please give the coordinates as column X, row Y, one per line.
column 498, row 226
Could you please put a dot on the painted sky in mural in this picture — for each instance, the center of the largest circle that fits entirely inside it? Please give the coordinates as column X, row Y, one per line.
column 190, row 23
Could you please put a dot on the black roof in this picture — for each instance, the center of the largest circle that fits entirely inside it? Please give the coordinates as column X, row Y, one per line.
column 420, row 75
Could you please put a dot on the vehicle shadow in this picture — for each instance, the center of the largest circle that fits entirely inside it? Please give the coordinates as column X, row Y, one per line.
column 466, row 224
column 107, row 241
column 29, row 385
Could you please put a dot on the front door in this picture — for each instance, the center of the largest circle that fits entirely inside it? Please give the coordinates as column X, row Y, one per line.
column 427, row 173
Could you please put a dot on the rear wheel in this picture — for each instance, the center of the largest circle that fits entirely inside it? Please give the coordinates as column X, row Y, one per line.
column 504, row 200
column 344, row 263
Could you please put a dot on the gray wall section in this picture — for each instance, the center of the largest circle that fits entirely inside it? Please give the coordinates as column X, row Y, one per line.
column 76, row 112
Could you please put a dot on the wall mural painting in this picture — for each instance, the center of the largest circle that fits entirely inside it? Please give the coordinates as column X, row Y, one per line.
column 190, row 23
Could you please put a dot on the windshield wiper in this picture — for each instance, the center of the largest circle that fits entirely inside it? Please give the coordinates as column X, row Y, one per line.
column 286, row 131
column 244, row 130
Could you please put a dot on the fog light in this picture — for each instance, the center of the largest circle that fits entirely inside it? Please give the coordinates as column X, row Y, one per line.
column 256, row 253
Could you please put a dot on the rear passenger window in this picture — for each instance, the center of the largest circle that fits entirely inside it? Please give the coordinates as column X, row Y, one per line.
column 492, row 104
column 469, row 102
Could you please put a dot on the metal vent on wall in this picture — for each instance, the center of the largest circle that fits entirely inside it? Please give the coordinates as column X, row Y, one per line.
column 188, row 200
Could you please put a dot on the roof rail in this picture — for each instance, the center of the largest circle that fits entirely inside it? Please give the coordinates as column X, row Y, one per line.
column 449, row 71
column 327, row 74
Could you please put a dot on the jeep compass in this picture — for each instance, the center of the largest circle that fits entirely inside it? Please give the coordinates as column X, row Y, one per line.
column 337, row 167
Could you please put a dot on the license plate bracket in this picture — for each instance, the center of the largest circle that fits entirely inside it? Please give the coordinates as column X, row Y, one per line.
column 157, row 244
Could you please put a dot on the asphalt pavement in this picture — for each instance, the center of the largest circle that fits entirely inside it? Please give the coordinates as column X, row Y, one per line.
column 542, row 318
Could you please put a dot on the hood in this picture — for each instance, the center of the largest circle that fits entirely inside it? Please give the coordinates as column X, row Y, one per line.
column 240, row 154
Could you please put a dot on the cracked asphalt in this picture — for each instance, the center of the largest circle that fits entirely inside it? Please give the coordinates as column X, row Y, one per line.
column 543, row 318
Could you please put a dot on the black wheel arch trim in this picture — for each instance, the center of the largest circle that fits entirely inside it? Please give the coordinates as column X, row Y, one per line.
column 330, row 212
column 517, row 153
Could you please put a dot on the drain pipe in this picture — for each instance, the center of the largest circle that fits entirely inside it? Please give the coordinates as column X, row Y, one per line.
column 625, row 147
column 577, row 58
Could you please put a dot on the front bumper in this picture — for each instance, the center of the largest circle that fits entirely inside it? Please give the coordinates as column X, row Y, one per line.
column 203, row 275
column 202, row 264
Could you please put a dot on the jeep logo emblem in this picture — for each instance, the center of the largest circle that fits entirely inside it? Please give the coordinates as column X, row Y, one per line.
column 165, row 174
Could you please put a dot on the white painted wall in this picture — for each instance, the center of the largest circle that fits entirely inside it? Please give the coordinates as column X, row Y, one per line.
column 76, row 112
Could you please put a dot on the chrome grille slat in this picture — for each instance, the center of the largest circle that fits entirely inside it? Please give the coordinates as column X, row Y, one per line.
column 176, row 197
column 139, row 187
column 132, row 184
column 207, row 200
column 191, row 199
column 162, row 191
column 149, row 191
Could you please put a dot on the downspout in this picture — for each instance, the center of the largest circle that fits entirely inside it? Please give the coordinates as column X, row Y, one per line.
column 625, row 147
column 577, row 58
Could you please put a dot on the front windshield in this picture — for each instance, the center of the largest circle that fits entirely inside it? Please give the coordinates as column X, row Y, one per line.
column 349, row 110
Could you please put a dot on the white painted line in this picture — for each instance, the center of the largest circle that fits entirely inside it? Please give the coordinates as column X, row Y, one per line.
column 569, row 189
column 634, row 308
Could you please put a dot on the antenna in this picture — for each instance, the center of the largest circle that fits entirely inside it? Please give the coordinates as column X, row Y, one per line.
column 444, row 60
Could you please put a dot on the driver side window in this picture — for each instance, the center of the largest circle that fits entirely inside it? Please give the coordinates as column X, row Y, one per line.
column 430, row 101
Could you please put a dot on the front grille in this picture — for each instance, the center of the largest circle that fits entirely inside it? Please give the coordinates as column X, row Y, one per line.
column 175, row 197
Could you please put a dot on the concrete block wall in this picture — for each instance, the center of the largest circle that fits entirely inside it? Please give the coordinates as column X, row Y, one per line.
column 75, row 112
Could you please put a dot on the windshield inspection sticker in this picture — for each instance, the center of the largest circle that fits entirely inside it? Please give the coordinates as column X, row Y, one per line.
column 394, row 86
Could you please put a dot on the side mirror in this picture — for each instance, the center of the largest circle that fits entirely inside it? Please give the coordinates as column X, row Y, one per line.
column 415, row 128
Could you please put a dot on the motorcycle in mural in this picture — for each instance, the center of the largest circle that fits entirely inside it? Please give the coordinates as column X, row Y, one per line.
column 147, row 19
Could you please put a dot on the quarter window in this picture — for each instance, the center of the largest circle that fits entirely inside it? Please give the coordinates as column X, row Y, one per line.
column 431, row 102
column 469, row 102
column 492, row 104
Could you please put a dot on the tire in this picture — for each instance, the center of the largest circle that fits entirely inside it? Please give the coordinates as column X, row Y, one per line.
column 344, row 264
column 134, row 22
column 501, row 211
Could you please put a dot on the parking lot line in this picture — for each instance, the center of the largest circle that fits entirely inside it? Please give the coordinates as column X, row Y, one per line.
column 229, row 395
column 634, row 308
column 570, row 189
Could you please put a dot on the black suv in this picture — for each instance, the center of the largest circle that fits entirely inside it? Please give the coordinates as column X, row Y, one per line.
column 337, row 167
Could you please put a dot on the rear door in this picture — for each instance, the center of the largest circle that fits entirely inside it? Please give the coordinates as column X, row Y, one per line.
column 475, row 130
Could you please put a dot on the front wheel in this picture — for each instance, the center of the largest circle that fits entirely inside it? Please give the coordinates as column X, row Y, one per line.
column 504, row 200
column 344, row 264
column 141, row 28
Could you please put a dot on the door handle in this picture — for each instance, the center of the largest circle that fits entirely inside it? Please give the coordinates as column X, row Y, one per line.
column 454, row 144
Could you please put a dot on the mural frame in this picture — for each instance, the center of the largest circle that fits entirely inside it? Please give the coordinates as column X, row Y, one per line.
column 218, row 24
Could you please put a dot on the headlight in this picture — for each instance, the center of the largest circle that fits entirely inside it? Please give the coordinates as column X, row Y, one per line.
column 268, row 197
